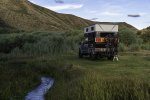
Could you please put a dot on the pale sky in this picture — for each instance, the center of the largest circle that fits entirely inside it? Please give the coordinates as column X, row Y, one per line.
column 103, row 10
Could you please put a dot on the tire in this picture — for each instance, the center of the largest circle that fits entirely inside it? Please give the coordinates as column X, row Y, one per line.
column 80, row 54
column 93, row 56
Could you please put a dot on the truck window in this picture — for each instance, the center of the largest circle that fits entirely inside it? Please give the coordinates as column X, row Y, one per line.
column 92, row 28
column 87, row 29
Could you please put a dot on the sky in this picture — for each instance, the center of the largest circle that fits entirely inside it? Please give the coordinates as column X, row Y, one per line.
column 134, row 12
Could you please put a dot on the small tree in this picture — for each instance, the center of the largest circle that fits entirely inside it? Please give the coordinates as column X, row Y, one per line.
column 127, row 37
column 139, row 32
column 146, row 36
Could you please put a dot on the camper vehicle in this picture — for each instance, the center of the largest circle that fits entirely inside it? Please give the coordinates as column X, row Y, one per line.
column 101, row 40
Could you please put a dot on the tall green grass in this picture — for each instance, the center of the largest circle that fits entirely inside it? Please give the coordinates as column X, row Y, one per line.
column 38, row 43
column 42, row 43
column 74, row 80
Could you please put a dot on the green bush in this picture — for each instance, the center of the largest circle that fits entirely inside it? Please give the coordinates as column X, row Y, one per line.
column 134, row 47
column 130, row 41
column 122, row 47
column 139, row 32
column 16, row 52
column 146, row 46
column 10, row 41
column 146, row 36
column 127, row 37
column 38, row 43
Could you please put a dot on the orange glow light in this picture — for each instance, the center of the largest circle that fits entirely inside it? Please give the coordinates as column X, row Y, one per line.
column 99, row 39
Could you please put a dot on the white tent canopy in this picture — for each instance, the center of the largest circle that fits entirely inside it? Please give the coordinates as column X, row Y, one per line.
column 101, row 28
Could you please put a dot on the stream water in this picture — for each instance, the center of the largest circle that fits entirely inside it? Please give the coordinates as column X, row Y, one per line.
column 41, row 90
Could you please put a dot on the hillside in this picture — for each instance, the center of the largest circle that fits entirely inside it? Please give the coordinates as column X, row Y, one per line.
column 3, row 24
column 148, row 28
column 5, row 28
column 24, row 15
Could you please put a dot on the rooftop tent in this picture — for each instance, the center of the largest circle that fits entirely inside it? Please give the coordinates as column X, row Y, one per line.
column 101, row 28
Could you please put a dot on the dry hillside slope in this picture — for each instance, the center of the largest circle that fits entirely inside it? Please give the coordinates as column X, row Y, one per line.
column 24, row 15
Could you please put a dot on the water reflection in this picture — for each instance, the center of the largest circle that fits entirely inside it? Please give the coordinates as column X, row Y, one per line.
column 40, row 91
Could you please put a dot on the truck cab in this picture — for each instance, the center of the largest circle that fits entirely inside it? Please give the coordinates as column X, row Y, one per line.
column 101, row 40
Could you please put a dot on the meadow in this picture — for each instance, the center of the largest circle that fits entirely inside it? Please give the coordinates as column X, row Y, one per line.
column 77, row 79
column 26, row 57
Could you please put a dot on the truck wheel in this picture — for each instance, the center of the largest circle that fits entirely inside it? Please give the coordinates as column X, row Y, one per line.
column 93, row 56
column 80, row 54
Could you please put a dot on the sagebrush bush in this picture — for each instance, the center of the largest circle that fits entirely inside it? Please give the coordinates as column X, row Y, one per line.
column 40, row 43
column 10, row 41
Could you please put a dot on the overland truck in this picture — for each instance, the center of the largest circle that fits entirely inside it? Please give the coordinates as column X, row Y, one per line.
column 101, row 40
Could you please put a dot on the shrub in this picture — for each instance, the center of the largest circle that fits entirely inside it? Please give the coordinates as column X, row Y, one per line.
column 122, row 47
column 146, row 36
column 127, row 37
column 139, row 41
column 134, row 47
column 39, row 43
column 146, row 46
column 51, row 44
column 16, row 52
column 10, row 41
column 139, row 32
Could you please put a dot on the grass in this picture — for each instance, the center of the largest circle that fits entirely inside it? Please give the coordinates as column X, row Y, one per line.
column 136, row 66
column 77, row 79
column 33, row 55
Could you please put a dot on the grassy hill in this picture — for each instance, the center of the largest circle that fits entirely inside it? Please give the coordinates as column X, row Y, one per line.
column 24, row 15
column 3, row 24
column 5, row 28
column 146, row 29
